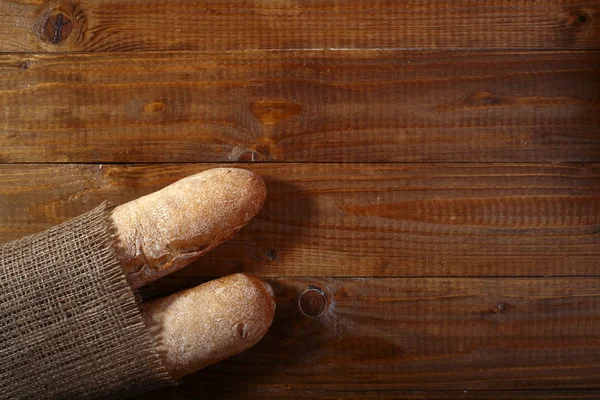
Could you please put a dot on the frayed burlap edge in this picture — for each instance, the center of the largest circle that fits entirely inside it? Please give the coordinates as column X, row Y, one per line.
column 70, row 325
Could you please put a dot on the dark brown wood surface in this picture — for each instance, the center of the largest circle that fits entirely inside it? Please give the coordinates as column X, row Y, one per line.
column 349, row 106
column 133, row 25
column 357, row 219
column 421, row 333
column 283, row 394
column 432, row 168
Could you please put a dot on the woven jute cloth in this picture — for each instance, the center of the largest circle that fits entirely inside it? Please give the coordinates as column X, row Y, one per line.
column 70, row 325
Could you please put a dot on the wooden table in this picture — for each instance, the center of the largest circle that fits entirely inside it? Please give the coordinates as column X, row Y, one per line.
column 431, row 166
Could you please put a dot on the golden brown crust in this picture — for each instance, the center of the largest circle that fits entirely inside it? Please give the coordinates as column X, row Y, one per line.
column 200, row 326
column 166, row 230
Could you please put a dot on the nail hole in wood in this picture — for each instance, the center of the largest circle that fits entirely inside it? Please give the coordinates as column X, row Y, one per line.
column 25, row 64
column 313, row 302
column 271, row 254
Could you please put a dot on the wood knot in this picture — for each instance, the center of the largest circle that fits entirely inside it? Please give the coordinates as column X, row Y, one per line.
column 58, row 27
column 272, row 112
column 313, row 302
column 580, row 20
column 272, row 254
column 154, row 106
column 25, row 64
column 489, row 99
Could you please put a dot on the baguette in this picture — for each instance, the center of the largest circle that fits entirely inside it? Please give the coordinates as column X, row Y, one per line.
column 166, row 230
column 197, row 327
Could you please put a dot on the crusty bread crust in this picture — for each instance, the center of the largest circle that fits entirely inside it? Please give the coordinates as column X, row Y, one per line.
column 166, row 230
column 200, row 326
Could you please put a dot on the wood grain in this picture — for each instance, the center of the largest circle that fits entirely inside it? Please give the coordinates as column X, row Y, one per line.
column 421, row 333
column 464, row 280
column 133, row 25
column 348, row 106
column 184, row 393
column 357, row 219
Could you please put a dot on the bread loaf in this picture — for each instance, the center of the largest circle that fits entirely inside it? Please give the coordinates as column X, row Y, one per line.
column 166, row 230
column 200, row 326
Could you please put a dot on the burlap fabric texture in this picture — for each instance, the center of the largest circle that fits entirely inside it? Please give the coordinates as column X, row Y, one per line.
column 70, row 325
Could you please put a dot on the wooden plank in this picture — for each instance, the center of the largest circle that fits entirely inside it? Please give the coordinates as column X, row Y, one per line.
column 348, row 106
column 217, row 393
column 422, row 333
column 357, row 219
column 133, row 25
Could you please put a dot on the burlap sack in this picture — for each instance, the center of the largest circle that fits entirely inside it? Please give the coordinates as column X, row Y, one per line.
column 70, row 326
